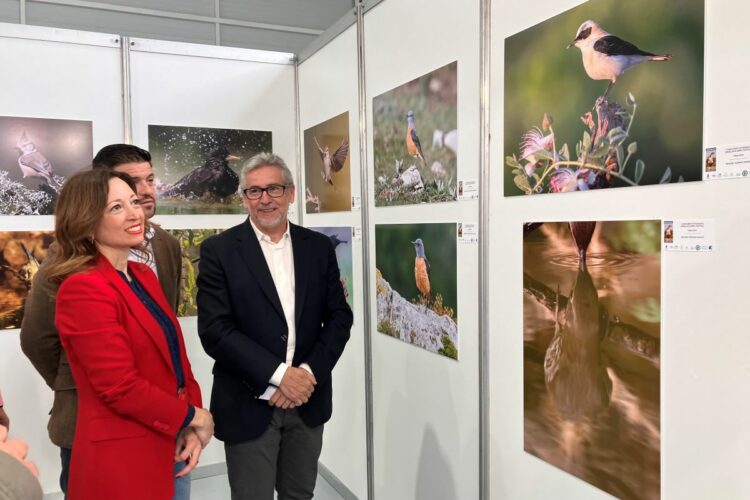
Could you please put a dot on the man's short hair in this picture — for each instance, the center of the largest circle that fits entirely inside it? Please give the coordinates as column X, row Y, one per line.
column 264, row 160
column 119, row 154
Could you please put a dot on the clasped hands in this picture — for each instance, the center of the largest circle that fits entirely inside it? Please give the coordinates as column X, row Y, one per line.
column 192, row 439
column 297, row 385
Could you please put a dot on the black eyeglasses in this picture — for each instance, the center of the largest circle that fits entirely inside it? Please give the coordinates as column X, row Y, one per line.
column 274, row 191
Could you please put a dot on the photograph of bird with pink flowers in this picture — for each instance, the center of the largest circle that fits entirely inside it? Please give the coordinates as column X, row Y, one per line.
column 36, row 156
column 415, row 140
column 607, row 94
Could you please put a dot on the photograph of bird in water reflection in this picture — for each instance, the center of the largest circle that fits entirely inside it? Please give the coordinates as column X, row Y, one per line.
column 416, row 285
column 327, row 166
column 596, row 98
column 591, row 351
column 36, row 156
column 409, row 168
column 197, row 169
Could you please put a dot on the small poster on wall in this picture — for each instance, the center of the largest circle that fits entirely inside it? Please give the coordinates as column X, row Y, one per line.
column 197, row 169
column 416, row 285
column 415, row 140
column 21, row 254
column 591, row 337
column 596, row 98
column 190, row 243
column 341, row 239
column 36, row 156
column 327, row 166
column 731, row 161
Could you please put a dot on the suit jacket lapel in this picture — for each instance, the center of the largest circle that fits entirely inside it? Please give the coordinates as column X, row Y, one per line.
column 301, row 268
column 252, row 254
column 137, row 309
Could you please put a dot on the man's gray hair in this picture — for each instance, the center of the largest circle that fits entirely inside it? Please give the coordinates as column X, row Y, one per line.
column 264, row 160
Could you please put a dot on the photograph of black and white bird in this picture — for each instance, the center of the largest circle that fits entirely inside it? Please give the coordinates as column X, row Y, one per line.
column 332, row 162
column 214, row 178
column 33, row 163
column 606, row 56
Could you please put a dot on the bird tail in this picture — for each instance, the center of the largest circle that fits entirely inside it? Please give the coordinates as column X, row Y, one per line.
column 665, row 57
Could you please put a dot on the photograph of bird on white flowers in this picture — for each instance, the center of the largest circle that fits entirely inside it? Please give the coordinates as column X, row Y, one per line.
column 415, row 140
column 341, row 239
column 197, row 169
column 21, row 254
column 416, row 285
column 327, row 168
column 591, row 351
column 36, row 156
column 607, row 94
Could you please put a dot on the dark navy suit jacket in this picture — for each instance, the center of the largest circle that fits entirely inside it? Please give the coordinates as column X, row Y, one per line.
column 241, row 325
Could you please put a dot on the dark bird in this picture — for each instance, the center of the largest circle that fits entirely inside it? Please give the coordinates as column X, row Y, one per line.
column 582, row 232
column 335, row 241
column 332, row 162
column 605, row 56
column 412, row 139
column 213, row 178
column 422, row 270
column 32, row 162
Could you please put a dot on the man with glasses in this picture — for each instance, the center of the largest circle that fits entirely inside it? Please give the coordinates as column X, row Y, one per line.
column 272, row 313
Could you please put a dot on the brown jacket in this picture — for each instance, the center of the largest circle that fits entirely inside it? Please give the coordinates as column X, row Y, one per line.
column 41, row 343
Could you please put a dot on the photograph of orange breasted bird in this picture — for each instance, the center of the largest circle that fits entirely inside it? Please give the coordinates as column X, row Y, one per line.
column 409, row 167
column 416, row 285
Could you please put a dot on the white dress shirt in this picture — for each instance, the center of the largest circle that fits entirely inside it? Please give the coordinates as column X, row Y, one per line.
column 280, row 260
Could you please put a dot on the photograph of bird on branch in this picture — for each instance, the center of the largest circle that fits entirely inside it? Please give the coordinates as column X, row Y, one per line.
column 592, row 351
column 21, row 254
column 341, row 239
column 416, row 285
column 607, row 94
column 415, row 140
column 36, row 156
column 197, row 169
column 327, row 168
column 190, row 246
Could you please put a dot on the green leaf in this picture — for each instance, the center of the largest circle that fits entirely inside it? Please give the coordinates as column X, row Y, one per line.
column 586, row 142
column 565, row 153
column 511, row 161
column 599, row 152
column 666, row 177
column 640, row 168
column 614, row 133
column 523, row 183
column 620, row 156
column 632, row 148
column 543, row 154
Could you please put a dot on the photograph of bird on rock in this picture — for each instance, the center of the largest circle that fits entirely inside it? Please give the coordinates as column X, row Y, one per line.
column 625, row 109
column 409, row 169
column 341, row 240
column 36, row 156
column 197, row 169
column 327, row 166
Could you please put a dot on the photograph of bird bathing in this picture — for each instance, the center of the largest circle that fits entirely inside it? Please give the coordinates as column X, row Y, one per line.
column 190, row 245
column 341, row 239
column 197, row 169
column 607, row 94
column 21, row 253
column 591, row 351
column 416, row 289
column 36, row 156
column 327, row 171
column 415, row 140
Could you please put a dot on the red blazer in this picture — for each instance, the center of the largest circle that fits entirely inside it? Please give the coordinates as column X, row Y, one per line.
column 128, row 410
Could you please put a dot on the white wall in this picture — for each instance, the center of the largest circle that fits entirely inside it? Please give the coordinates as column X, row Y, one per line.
column 327, row 88
column 705, row 373
column 426, row 417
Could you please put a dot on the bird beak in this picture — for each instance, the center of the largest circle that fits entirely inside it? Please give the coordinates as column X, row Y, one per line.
column 571, row 43
column 232, row 157
column 413, row 242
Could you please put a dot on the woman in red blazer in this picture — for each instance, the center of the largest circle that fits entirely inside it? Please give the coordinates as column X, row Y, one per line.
column 139, row 406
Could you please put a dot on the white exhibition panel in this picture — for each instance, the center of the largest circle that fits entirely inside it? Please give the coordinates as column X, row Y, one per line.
column 327, row 88
column 201, row 86
column 66, row 75
column 426, row 406
column 704, row 368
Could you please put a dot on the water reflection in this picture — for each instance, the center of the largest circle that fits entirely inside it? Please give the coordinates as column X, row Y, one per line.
column 591, row 357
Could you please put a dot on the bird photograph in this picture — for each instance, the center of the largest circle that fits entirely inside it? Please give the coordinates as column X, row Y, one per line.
column 36, row 156
column 21, row 254
column 327, row 165
column 404, row 120
column 591, row 351
column 417, row 284
column 607, row 94
column 190, row 246
column 341, row 240
column 197, row 169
